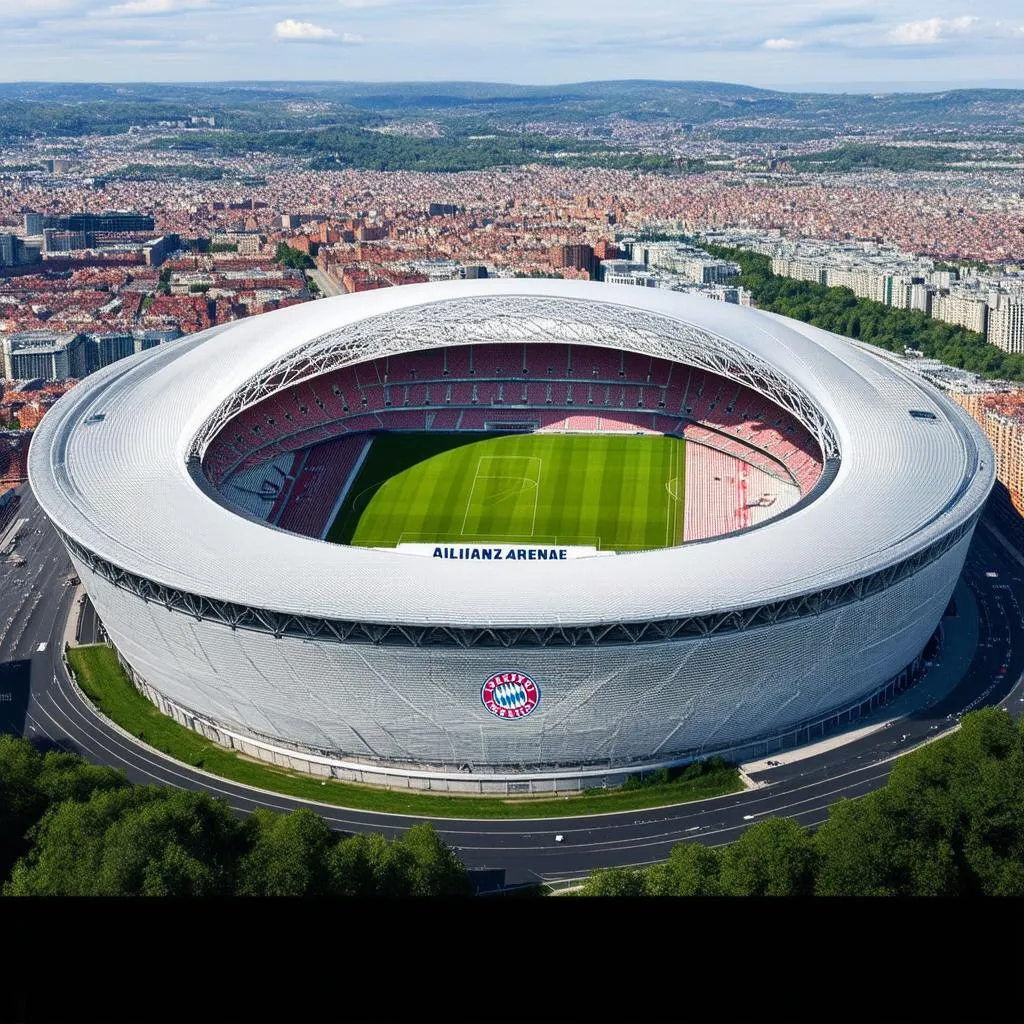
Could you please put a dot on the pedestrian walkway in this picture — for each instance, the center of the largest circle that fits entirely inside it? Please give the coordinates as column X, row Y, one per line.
column 74, row 615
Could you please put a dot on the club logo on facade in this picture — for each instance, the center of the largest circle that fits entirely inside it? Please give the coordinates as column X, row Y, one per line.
column 510, row 695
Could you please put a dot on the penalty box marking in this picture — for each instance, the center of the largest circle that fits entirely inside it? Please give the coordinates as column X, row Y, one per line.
column 486, row 470
column 533, row 462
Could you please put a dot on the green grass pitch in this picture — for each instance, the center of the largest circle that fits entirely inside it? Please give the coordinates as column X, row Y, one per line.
column 616, row 492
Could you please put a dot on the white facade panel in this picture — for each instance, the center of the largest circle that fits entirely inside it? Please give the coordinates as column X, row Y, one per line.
column 614, row 704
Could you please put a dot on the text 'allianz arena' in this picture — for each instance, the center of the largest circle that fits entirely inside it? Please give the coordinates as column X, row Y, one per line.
column 191, row 488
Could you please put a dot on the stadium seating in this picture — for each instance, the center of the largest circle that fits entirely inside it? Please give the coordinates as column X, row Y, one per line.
column 726, row 493
column 555, row 387
column 714, row 494
column 322, row 480
column 457, row 362
column 444, row 419
column 261, row 490
column 636, row 366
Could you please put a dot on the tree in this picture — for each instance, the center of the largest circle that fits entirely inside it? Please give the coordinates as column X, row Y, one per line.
column 433, row 868
column 287, row 856
column 21, row 803
column 616, row 882
column 985, row 781
column 888, row 845
column 391, row 865
column 774, row 858
column 369, row 865
column 950, row 821
column 64, row 776
column 31, row 782
column 350, row 867
column 419, row 863
column 692, row 870
column 179, row 844
column 850, row 848
column 67, row 852
column 131, row 841
column 296, row 259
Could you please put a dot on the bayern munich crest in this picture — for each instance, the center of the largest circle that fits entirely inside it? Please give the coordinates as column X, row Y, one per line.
column 510, row 695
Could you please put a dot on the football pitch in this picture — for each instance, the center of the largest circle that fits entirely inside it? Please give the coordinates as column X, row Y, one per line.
column 615, row 492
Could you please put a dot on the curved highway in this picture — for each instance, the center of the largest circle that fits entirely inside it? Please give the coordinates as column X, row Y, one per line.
column 38, row 700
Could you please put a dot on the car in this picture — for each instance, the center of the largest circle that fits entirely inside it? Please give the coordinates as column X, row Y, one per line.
column 559, row 838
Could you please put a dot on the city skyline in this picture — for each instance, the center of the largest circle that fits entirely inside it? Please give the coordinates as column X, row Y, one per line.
column 833, row 45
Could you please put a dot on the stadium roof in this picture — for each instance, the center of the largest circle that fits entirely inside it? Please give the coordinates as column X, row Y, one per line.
column 120, row 484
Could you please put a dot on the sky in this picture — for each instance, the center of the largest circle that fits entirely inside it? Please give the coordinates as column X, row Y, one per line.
column 859, row 45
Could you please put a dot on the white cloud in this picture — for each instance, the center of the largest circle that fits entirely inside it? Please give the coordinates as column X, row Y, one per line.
column 780, row 44
column 292, row 31
column 932, row 30
column 302, row 30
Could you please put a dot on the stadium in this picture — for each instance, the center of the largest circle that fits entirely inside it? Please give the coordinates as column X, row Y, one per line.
column 513, row 535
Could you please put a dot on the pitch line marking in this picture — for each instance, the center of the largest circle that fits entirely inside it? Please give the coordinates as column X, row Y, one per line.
column 529, row 459
column 523, row 482
column 536, row 496
column 673, row 498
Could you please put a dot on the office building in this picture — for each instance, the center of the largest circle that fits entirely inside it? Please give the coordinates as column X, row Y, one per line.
column 56, row 240
column 113, row 221
column 52, row 355
column 109, row 346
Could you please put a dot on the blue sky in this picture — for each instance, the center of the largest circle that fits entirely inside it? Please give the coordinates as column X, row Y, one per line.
column 858, row 44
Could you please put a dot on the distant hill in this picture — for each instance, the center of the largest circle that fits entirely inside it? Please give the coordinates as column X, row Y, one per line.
column 690, row 102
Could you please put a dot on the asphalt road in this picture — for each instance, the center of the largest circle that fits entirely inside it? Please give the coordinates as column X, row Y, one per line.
column 38, row 701
column 327, row 287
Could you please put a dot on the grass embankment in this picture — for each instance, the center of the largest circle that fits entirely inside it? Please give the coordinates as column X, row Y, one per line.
column 105, row 683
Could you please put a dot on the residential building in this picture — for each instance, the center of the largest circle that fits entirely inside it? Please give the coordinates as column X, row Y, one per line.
column 1006, row 323
column 964, row 309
